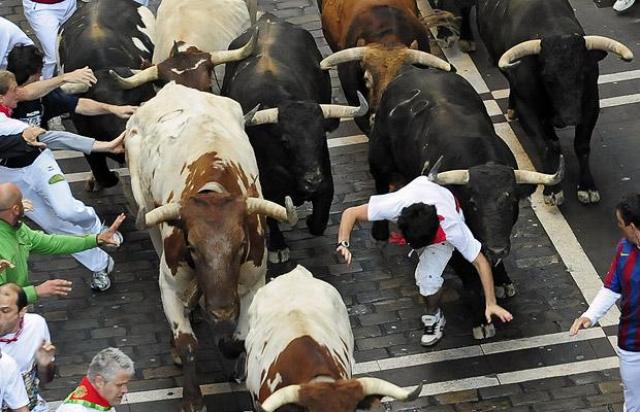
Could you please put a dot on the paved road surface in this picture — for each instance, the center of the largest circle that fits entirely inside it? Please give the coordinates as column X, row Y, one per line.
column 531, row 364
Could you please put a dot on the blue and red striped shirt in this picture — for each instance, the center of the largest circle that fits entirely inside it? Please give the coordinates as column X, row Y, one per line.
column 624, row 278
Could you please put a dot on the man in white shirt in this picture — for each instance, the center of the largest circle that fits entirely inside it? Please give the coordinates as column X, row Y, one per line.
column 105, row 384
column 10, row 35
column 433, row 225
column 25, row 337
column 13, row 396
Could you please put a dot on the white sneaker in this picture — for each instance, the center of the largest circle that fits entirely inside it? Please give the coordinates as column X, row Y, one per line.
column 100, row 281
column 622, row 5
column 433, row 328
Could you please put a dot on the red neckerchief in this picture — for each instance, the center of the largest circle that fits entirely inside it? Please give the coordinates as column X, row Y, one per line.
column 16, row 335
column 6, row 110
column 86, row 395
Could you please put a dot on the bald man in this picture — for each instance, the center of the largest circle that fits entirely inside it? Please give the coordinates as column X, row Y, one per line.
column 17, row 240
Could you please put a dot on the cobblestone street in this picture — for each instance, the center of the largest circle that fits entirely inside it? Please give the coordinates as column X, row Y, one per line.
column 531, row 365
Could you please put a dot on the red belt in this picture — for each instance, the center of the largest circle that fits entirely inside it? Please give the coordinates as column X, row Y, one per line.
column 47, row 1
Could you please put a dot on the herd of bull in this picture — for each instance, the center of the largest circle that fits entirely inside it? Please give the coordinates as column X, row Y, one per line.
column 205, row 148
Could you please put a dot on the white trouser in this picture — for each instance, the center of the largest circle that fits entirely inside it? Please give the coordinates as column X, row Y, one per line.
column 55, row 208
column 630, row 372
column 433, row 260
column 45, row 20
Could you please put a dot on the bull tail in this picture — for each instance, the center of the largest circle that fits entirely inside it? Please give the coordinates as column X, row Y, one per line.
column 435, row 18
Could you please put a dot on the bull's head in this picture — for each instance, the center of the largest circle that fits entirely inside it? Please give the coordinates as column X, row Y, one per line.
column 303, row 127
column 490, row 194
column 340, row 396
column 188, row 66
column 380, row 64
column 215, row 233
column 564, row 63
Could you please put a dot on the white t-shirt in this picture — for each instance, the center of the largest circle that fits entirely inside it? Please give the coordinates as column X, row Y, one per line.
column 22, row 347
column 12, row 392
column 9, row 126
column 74, row 407
column 422, row 190
column 10, row 35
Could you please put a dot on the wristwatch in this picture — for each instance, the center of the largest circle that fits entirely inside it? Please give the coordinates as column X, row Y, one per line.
column 344, row 243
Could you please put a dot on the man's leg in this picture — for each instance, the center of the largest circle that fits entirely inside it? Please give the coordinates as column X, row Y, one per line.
column 46, row 19
column 433, row 260
column 58, row 211
column 630, row 373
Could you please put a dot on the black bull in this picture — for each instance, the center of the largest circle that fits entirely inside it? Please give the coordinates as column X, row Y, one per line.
column 552, row 69
column 101, row 35
column 425, row 114
column 284, row 72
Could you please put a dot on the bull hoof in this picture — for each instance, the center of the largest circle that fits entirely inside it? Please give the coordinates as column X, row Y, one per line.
column 554, row 199
column 177, row 360
column 279, row 256
column 510, row 290
column 500, row 292
column 240, row 369
column 92, row 186
column 588, row 196
column 467, row 46
column 484, row 332
column 511, row 115
column 446, row 42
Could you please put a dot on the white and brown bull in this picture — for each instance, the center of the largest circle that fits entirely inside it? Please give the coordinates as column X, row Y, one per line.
column 191, row 37
column 300, row 350
column 194, row 178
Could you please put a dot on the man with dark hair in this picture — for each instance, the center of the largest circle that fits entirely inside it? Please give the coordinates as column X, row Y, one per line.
column 25, row 337
column 25, row 62
column 10, row 35
column 17, row 241
column 623, row 282
column 433, row 225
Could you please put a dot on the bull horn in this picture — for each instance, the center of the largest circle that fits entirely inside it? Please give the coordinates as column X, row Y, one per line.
column 160, row 214
column 343, row 56
column 608, row 45
column 248, row 116
column 266, row 116
column 375, row 386
column 147, row 75
column 273, row 210
column 283, row 396
column 427, row 59
column 228, row 56
column 337, row 111
column 537, row 178
column 450, row 177
column 75, row 88
column 526, row 48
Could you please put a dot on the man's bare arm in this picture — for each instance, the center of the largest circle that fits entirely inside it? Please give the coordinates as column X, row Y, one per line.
column 41, row 88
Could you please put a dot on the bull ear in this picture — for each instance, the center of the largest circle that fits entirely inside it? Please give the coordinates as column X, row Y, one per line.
column 369, row 402
column 597, row 55
column 525, row 190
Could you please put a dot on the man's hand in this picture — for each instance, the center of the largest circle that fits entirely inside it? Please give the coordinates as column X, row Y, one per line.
column 54, row 287
column 499, row 312
column 5, row 264
column 582, row 322
column 84, row 76
column 30, row 135
column 345, row 252
column 45, row 354
column 116, row 146
column 106, row 237
column 123, row 112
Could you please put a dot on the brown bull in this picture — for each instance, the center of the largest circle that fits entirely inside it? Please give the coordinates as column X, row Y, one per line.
column 382, row 35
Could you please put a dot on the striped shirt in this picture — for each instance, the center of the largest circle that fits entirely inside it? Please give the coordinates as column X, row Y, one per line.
column 624, row 278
